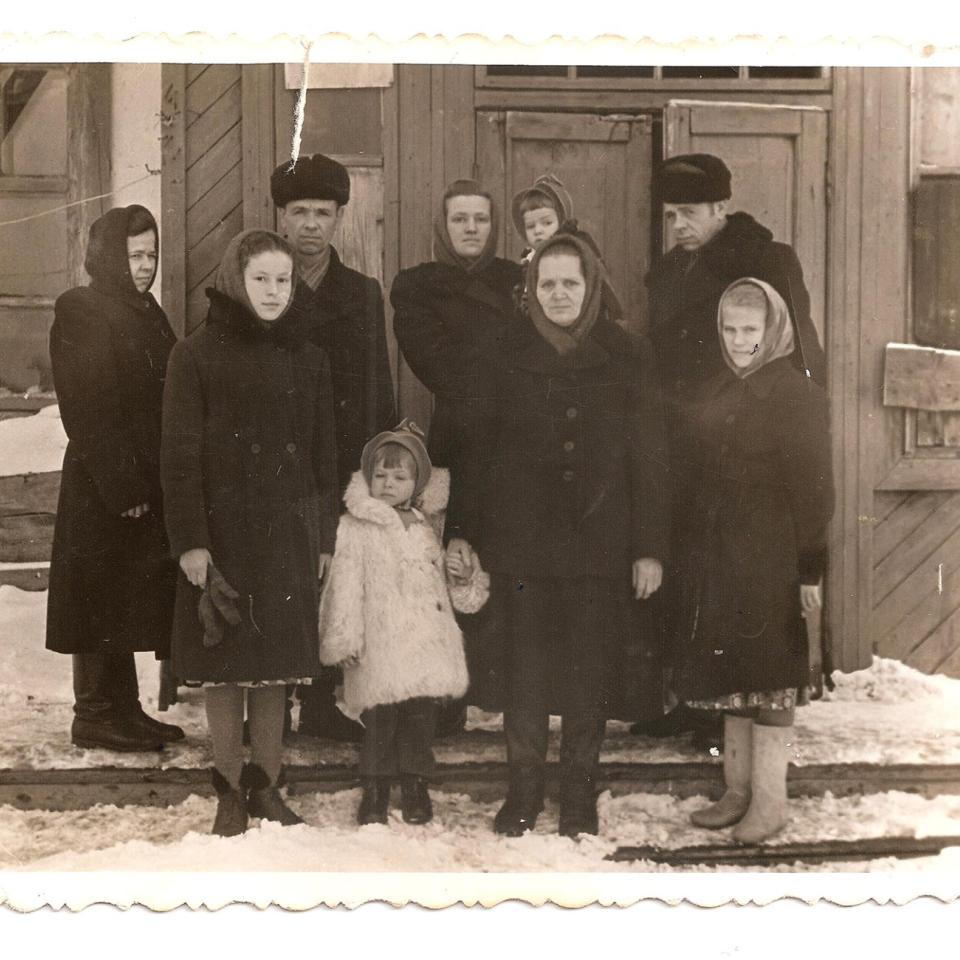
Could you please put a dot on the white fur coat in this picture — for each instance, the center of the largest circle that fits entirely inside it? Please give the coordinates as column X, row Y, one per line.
column 386, row 601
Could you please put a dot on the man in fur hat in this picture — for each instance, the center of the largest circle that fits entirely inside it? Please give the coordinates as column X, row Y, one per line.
column 345, row 313
column 713, row 248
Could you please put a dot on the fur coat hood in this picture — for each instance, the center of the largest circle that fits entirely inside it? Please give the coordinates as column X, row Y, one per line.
column 387, row 610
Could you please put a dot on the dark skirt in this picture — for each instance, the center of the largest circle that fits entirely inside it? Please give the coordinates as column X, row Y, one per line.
column 594, row 642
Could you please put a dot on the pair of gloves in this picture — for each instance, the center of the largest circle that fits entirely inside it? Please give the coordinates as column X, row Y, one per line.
column 218, row 607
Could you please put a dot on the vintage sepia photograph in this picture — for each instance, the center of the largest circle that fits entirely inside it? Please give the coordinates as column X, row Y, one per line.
column 477, row 469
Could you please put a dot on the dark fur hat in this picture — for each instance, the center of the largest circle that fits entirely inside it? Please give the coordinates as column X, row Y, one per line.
column 314, row 177
column 694, row 178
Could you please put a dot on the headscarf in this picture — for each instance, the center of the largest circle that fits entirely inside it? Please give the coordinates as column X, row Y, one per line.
column 107, row 260
column 778, row 338
column 229, row 279
column 409, row 436
column 443, row 251
column 551, row 186
column 565, row 339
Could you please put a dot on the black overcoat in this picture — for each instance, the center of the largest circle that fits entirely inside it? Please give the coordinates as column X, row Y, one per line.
column 345, row 318
column 110, row 576
column 684, row 295
column 449, row 324
column 249, row 472
column 758, row 497
column 571, row 485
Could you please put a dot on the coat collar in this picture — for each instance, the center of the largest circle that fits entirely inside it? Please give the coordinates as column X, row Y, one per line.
column 361, row 505
column 605, row 341
column 230, row 316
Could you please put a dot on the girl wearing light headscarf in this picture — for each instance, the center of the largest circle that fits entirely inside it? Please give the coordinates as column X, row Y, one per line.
column 758, row 501
column 248, row 465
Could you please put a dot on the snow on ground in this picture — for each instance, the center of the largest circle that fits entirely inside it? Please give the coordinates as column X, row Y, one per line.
column 887, row 713
column 459, row 839
column 32, row 444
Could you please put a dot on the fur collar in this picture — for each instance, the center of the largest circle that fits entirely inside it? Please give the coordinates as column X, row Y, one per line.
column 364, row 507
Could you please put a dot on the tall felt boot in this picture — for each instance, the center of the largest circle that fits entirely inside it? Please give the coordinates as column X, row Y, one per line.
column 768, row 784
column 737, row 758
column 231, row 819
column 263, row 797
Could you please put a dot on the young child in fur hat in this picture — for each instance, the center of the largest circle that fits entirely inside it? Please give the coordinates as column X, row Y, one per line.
column 387, row 617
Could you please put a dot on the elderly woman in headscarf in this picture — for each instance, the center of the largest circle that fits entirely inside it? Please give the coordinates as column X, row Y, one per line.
column 759, row 495
column 567, row 507
column 250, row 480
column 451, row 316
column 111, row 580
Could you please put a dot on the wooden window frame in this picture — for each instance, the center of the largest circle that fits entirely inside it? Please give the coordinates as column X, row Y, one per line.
column 919, row 467
column 657, row 82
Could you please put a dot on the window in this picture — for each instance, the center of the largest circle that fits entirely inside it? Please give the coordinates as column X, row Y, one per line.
column 682, row 76
column 33, row 122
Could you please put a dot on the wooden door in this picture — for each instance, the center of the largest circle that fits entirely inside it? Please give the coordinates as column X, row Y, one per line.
column 606, row 163
column 778, row 158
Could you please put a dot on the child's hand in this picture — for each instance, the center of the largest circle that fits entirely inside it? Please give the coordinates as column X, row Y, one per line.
column 194, row 564
column 324, row 566
column 460, row 560
column 647, row 577
column 811, row 597
column 350, row 661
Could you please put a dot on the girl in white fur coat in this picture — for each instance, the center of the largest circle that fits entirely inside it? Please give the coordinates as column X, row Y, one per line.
column 387, row 617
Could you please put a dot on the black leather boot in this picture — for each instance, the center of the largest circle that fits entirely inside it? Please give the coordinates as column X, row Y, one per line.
column 167, row 732
column 125, row 693
column 375, row 802
column 263, row 797
column 520, row 810
column 101, row 701
column 232, row 818
column 578, row 811
column 415, row 804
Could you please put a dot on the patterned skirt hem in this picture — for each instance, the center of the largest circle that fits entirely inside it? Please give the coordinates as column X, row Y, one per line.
column 785, row 699
column 252, row 684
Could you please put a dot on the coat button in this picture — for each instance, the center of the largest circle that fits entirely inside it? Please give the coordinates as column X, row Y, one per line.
column 569, row 445
column 291, row 448
column 567, row 476
column 254, row 447
column 571, row 413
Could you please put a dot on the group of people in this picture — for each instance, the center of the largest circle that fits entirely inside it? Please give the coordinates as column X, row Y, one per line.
column 597, row 525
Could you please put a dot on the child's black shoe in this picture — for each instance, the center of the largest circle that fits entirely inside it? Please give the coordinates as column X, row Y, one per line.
column 375, row 802
column 264, row 800
column 231, row 819
column 415, row 799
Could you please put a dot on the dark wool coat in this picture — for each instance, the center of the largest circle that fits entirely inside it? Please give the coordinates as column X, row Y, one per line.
column 570, row 486
column 685, row 290
column 448, row 324
column 110, row 576
column 249, row 472
column 345, row 318
column 758, row 490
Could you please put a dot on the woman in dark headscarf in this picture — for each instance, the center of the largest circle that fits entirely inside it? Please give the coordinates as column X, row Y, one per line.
column 111, row 582
column 565, row 503
column 451, row 315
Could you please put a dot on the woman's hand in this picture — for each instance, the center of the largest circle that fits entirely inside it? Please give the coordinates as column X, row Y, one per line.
column 324, row 566
column 194, row 564
column 459, row 560
column 137, row 511
column 647, row 577
column 811, row 597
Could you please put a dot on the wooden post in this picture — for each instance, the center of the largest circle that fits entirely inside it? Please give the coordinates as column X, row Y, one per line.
column 88, row 157
column 257, row 134
column 173, row 193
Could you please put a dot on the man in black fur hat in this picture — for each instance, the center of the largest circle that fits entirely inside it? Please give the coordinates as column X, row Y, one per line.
column 713, row 248
column 345, row 311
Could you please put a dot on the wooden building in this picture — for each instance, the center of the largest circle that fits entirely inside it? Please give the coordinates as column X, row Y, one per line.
column 858, row 168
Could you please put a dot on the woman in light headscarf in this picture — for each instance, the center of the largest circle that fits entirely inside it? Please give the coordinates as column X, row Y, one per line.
column 759, row 498
column 569, row 514
column 451, row 316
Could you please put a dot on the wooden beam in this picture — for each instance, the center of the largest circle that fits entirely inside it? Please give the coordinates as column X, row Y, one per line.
column 258, row 136
column 173, row 183
column 29, row 493
column 88, row 157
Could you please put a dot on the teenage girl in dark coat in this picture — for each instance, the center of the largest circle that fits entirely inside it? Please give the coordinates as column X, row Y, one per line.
column 250, row 479
column 759, row 495
column 111, row 579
